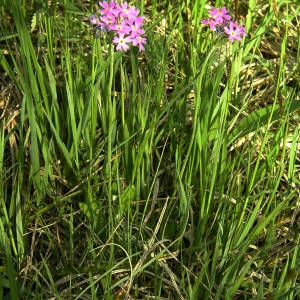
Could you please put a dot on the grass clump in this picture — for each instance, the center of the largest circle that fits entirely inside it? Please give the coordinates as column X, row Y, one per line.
column 165, row 173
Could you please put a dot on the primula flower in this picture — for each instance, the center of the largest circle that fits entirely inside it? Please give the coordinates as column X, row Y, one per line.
column 220, row 15
column 136, row 30
column 133, row 12
column 138, row 21
column 108, row 8
column 122, row 27
column 125, row 11
column 211, row 22
column 123, row 20
column 139, row 41
column 122, row 42
column 219, row 21
column 108, row 21
column 234, row 31
column 94, row 20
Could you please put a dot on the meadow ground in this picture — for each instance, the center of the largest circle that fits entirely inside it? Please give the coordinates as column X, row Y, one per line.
column 166, row 173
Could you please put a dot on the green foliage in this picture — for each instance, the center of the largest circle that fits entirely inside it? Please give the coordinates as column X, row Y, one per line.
column 155, row 174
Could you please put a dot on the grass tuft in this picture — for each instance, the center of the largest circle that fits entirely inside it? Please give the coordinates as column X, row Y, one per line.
column 170, row 173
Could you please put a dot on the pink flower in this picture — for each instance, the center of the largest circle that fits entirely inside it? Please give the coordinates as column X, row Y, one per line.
column 122, row 42
column 122, row 27
column 138, row 21
column 133, row 12
column 123, row 20
column 220, row 15
column 107, row 9
column 124, row 11
column 108, row 21
column 220, row 21
column 234, row 31
column 94, row 20
column 139, row 41
column 211, row 22
column 136, row 30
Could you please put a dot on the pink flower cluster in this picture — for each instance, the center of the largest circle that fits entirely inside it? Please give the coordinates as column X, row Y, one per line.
column 124, row 21
column 220, row 21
